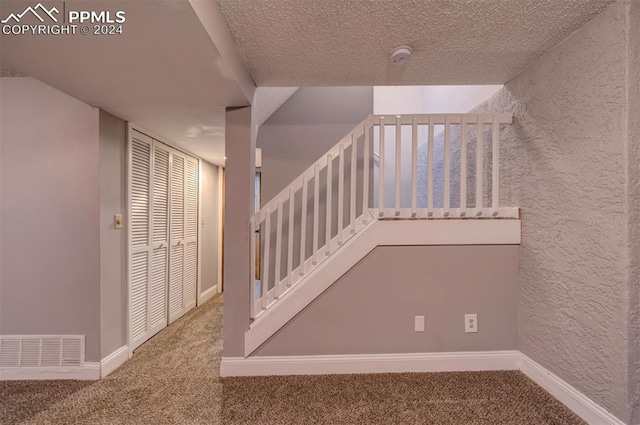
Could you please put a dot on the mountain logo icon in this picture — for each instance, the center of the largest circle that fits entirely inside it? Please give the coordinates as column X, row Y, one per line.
column 34, row 11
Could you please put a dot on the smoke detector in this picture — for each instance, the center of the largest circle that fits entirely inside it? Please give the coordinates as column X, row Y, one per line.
column 401, row 55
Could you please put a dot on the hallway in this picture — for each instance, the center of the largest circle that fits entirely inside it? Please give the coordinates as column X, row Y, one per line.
column 173, row 379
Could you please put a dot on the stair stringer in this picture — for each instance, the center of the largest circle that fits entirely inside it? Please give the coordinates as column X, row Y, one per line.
column 373, row 234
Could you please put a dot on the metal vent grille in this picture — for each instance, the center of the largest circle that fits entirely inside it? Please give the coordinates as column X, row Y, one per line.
column 42, row 351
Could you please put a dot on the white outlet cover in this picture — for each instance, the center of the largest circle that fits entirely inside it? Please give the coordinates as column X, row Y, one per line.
column 470, row 323
column 419, row 324
column 117, row 221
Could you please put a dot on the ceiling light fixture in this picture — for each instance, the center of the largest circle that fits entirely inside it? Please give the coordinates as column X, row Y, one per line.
column 401, row 55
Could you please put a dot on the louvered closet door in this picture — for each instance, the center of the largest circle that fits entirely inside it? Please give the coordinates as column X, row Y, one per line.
column 164, row 236
column 191, row 232
column 177, row 232
column 160, row 241
column 139, row 209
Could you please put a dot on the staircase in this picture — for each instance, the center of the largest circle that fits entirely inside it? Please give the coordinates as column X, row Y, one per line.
column 393, row 180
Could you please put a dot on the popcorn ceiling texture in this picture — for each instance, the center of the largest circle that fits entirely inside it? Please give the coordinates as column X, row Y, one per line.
column 565, row 161
column 342, row 43
column 10, row 72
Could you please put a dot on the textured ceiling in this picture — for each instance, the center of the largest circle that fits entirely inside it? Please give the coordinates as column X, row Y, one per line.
column 342, row 43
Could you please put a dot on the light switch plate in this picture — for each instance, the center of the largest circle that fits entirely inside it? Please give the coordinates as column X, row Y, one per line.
column 117, row 221
column 419, row 324
column 470, row 323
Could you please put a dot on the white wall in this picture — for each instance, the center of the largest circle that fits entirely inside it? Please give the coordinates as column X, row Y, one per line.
column 209, row 232
column 454, row 99
column 113, row 242
column 50, row 237
column 397, row 100
column 429, row 99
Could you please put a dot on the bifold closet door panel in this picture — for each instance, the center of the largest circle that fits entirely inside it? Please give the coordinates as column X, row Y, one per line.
column 191, row 233
column 163, row 263
column 140, row 173
column 177, row 233
column 160, row 233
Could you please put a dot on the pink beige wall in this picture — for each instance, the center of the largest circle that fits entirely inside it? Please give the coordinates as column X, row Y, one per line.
column 209, row 226
column 371, row 308
column 50, row 212
column 306, row 126
column 239, row 200
column 634, row 210
column 113, row 242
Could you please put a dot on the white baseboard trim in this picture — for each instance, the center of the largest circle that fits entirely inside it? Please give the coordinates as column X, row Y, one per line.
column 370, row 363
column 114, row 361
column 208, row 294
column 579, row 403
column 89, row 372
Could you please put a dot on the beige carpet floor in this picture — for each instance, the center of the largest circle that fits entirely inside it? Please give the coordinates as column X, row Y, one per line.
column 173, row 379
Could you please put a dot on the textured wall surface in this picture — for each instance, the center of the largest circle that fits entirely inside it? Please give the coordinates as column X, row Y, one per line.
column 634, row 210
column 50, row 277
column 565, row 162
column 371, row 308
column 113, row 242
column 325, row 43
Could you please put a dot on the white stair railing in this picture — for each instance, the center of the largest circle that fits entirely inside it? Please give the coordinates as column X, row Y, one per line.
column 295, row 238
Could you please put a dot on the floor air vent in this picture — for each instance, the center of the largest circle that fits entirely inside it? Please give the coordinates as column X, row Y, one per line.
column 47, row 351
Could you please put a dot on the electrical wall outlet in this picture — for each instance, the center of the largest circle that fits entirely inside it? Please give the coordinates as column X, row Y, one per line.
column 117, row 221
column 470, row 323
column 419, row 323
